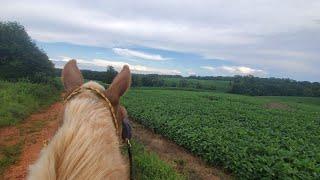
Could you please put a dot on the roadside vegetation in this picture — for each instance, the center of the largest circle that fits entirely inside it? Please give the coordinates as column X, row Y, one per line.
column 20, row 99
column 253, row 137
column 9, row 155
column 147, row 165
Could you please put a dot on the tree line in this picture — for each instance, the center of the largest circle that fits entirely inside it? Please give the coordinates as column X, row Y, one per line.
column 247, row 85
column 256, row 86
column 143, row 80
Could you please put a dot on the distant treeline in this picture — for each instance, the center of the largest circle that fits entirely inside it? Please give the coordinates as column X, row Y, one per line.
column 146, row 80
column 248, row 85
column 215, row 78
column 255, row 86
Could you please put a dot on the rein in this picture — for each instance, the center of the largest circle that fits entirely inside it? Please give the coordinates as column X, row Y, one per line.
column 126, row 128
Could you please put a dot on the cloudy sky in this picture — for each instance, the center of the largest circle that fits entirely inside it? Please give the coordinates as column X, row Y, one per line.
column 206, row 37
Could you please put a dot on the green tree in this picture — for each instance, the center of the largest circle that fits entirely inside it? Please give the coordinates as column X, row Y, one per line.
column 136, row 80
column 256, row 86
column 20, row 57
column 111, row 73
column 183, row 83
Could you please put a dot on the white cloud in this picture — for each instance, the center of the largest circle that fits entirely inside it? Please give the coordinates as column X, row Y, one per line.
column 103, row 63
column 138, row 54
column 208, row 68
column 191, row 72
column 234, row 70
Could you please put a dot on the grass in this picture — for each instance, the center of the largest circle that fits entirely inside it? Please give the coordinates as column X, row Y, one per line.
column 18, row 100
column 9, row 156
column 148, row 165
column 36, row 126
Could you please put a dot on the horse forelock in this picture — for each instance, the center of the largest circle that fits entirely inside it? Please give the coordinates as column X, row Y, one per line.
column 95, row 85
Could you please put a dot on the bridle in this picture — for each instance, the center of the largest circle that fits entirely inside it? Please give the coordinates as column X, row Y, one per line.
column 96, row 91
column 125, row 126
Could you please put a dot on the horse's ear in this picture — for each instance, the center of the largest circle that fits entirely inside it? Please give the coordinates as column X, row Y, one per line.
column 119, row 85
column 71, row 76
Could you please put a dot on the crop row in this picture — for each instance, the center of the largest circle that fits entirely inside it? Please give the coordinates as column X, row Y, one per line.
column 240, row 133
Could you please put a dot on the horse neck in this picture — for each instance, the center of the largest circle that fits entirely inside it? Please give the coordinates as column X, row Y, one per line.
column 86, row 143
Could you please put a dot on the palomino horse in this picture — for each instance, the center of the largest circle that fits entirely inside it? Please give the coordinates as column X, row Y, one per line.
column 87, row 145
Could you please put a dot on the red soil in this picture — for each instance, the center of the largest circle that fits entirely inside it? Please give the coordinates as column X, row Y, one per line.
column 32, row 132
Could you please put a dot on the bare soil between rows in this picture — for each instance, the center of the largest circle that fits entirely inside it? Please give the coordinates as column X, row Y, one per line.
column 182, row 160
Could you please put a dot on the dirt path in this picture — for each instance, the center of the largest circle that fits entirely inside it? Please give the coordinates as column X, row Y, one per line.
column 32, row 133
column 182, row 160
column 41, row 126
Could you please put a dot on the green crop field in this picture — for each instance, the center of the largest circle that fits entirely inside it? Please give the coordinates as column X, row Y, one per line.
column 253, row 137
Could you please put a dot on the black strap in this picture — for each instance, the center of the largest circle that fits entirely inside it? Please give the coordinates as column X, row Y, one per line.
column 126, row 135
column 130, row 159
column 126, row 129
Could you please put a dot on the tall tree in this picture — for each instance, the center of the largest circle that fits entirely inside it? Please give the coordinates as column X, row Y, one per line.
column 20, row 57
column 111, row 73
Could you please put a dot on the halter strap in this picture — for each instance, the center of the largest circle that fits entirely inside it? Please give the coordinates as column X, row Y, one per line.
column 81, row 89
column 126, row 126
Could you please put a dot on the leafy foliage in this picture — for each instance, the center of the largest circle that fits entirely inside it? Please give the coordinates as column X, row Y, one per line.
column 237, row 132
column 18, row 100
column 274, row 87
column 147, row 165
column 9, row 156
column 20, row 58
column 111, row 74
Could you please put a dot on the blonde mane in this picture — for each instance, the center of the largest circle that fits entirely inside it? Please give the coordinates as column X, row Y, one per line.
column 86, row 146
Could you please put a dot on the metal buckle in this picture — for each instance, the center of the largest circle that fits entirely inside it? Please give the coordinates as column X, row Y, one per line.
column 128, row 143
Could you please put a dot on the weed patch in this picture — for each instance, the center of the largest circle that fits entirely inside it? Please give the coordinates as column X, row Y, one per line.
column 18, row 100
column 147, row 165
column 9, row 155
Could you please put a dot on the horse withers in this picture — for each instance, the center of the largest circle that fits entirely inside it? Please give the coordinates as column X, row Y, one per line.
column 87, row 145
